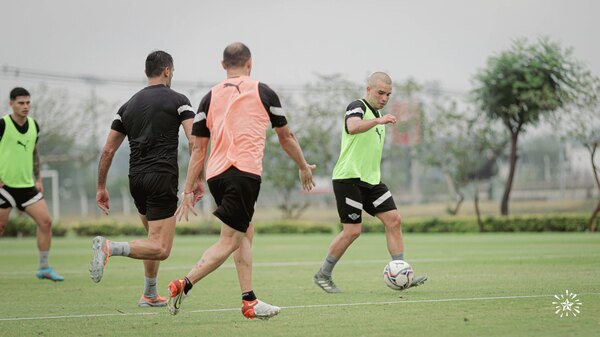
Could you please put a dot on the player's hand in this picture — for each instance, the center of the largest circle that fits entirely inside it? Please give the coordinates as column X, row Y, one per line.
column 387, row 119
column 103, row 200
column 306, row 178
column 39, row 186
column 1, row 184
column 198, row 191
column 187, row 205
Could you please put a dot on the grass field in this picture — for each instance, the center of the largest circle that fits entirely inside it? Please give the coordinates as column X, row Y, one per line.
column 479, row 285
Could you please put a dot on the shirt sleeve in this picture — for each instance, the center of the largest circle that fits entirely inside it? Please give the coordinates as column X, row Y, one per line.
column 37, row 130
column 199, row 129
column 117, row 124
column 2, row 127
column 272, row 104
column 354, row 109
column 185, row 109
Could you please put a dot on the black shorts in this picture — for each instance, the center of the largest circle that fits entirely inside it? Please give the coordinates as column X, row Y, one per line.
column 19, row 197
column 154, row 194
column 352, row 198
column 235, row 197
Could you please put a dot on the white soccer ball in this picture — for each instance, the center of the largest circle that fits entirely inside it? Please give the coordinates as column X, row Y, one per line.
column 398, row 274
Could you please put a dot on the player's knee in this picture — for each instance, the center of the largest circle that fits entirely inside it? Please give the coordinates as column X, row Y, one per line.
column 395, row 223
column 45, row 225
column 163, row 253
column 2, row 225
column 354, row 232
column 230, row 244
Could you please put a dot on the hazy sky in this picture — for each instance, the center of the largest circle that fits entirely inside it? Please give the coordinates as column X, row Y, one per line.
column 291, row 41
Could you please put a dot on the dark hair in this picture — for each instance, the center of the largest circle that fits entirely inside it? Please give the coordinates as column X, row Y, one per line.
column 18, row 91
column 157, row 61
column 236, row 55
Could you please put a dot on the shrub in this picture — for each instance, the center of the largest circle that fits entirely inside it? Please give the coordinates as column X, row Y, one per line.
column 88, row 229
column 197, row 230
column 558, row 223
column 292, row 228
column 24, row 226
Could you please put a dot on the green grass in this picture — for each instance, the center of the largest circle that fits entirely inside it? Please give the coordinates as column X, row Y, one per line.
column 480, row 285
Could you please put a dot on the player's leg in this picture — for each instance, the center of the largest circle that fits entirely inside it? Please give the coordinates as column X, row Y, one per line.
column 38, row 211
column 337, row 248
column 393, row 233
column 159, row 242
column 243, row 261
column 381, row 203
column 161, row 203
column 349, row 204
column 235, row 198
column 229, row 240
column 252, row 307
column 4, row 213
column 150, row 297
column 155, row 196
column 156, row 247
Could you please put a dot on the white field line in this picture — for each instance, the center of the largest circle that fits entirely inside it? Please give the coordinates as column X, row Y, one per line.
column 284, row 264
column 308, row 306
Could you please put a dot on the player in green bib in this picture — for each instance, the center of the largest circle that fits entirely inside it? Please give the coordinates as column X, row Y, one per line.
column 357, row 179
column 19, row 165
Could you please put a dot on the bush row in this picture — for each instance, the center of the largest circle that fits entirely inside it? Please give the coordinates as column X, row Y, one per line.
column 24, row 226
column 554, row 223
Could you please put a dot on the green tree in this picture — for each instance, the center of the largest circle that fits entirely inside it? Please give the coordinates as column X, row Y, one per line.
column 52, row 111
column 521, row 85
column 317, row 122
column 464, row 148
column 581, row 121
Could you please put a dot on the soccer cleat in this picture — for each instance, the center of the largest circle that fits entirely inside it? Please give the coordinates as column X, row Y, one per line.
column 146, row 302
column 49, row 273
column 326, row 283
column 176, row 295
column 417, row 281
column 259, row 309
column 101, row 253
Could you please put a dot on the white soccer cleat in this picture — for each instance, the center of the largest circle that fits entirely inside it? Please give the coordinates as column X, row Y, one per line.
column 176, row 296
column 101, row 253
column 259, row 309
column 417, row 281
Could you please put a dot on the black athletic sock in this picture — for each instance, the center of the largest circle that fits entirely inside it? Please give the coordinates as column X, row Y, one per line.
column 188, row 285
column 248, row 296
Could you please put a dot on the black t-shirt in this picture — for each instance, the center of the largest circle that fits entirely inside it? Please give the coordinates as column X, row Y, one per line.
column 21, row 128
column 151, row 120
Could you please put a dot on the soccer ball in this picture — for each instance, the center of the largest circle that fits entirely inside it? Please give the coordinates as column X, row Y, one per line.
column 398, row 274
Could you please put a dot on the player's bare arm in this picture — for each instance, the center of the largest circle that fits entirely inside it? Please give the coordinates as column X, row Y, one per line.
column 113, row 142
column 358, row 125
column 198, row 188
column 194, row 189
column 291, row 146
column 36, row 171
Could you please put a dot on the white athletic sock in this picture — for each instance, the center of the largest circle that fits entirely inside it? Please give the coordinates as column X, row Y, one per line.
column 150, row 287
column 328, row 265
column 119, row 248
column 398, row 256
column 43, row 259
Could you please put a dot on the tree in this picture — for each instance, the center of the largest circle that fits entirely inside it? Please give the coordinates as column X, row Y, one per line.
column 317, row 123
column 581, row 121
column 523, row 84
column 464, row 148
column 53, row 112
